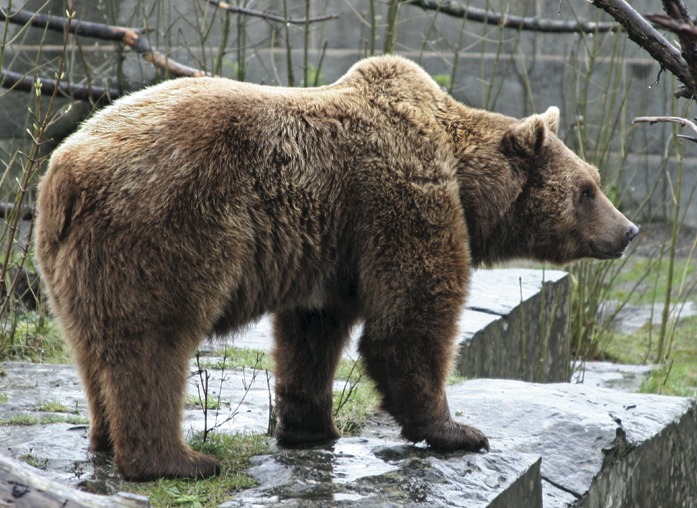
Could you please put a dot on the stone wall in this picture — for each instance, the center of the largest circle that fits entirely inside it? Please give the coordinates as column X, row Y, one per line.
column 600, row 82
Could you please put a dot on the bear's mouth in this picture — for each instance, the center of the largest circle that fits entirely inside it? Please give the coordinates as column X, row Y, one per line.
column 599, row 253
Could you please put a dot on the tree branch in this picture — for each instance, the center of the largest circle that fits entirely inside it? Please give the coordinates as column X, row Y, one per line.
column 687, row 30
column 674, row 119
column 647, row 37
column 26, row 83
column 687, row 36
column 270, row 16
column 458, row 10
column 129, row 36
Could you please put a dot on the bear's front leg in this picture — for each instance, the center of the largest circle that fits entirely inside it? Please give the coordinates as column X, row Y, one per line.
column 308, row 346
column 410, row 365
column 416, row 271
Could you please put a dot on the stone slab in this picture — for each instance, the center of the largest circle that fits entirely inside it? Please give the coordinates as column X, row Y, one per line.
column 364, row 472
column 624, row 377
column 598, row 447
column 515, row 325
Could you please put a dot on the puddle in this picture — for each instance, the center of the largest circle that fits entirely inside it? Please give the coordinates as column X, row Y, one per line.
column 354, row 460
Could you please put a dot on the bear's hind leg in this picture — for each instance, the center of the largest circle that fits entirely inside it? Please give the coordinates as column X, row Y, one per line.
column 144, row 382
column 308, row 347
column 90, row 369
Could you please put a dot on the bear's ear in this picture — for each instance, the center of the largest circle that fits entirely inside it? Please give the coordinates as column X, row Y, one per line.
column 551, row 118
column 526, row 138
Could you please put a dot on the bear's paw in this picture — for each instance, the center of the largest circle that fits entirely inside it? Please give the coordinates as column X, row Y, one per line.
column 451, row 435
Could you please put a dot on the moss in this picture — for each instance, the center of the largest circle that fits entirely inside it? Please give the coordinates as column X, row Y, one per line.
column 233, row 451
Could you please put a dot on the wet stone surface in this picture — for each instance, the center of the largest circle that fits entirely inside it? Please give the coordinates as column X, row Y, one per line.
column 374, row 472
column 557, row 445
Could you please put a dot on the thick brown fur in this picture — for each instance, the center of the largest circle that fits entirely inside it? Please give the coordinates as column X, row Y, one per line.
column 197, row 205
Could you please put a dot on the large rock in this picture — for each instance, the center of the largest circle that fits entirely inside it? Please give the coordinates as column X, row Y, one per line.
column 515, row 326
column 368, row 472
column 598, row 448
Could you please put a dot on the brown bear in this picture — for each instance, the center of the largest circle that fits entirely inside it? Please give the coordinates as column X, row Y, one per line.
column 195, row 206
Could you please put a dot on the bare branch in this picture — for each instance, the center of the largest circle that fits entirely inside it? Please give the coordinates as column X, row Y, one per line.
column 129, row 36
column 677, row 10
column 26, row 83
column 25, row 212
column 646, row 36
column 270, row 16
column 459, row 10
column 687, row 30
column 673, row 119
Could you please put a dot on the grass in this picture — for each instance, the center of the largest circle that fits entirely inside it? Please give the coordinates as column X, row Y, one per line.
column 655, row 280
column 233, row 451
column 356, row 400
column 194, row 401
column 24, row 419
column 56, row 407
column 34, row 461
column 679, row 375
column 30, row 336
column 236, row 358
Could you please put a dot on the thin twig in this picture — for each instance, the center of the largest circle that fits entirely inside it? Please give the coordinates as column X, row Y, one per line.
column 459, row 10
column 270, row 16
column 674, row 119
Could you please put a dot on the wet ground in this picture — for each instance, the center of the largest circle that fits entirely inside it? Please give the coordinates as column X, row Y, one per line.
column 45, row 417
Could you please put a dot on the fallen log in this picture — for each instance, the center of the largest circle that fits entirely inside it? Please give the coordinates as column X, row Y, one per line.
column 22, row 487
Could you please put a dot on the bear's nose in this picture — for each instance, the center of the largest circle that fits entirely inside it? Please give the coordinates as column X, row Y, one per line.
column 632, row 232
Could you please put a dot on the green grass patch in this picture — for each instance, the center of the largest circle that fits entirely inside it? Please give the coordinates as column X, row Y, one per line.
column 233, row 451
column 26, row 419
column 678, row 376
column 353, row 406
column 194, row 401
column 356, row 400
column 236, row 358
column 31, row 336
column 3, row 398
column 645, row 281
column 56, row 407
column 34, row 461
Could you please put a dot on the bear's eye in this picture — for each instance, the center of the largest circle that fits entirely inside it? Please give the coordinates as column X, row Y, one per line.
column 586, row 194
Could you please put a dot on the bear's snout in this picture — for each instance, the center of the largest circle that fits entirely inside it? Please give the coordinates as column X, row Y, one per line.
column 614, row 243
column 632, row 233
column 628, row 233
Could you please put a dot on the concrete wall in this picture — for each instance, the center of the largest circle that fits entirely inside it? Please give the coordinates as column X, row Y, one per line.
column 600, row 82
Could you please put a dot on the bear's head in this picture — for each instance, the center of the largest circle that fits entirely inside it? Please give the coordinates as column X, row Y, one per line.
column 560, row 213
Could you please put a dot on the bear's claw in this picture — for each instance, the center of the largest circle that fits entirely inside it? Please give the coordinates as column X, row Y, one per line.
column 456, row 436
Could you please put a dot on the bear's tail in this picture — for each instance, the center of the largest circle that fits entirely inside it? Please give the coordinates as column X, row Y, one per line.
column 57, row 206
